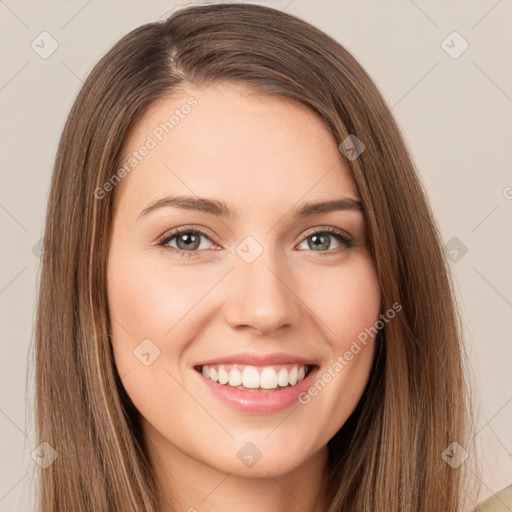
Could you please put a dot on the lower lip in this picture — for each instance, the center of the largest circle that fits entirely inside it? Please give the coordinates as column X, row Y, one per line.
column 258, row 402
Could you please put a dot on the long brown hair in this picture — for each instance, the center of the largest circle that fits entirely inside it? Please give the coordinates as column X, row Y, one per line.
column 388, row 455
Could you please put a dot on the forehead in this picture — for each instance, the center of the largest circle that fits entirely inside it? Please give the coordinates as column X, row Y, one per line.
column 233, row 144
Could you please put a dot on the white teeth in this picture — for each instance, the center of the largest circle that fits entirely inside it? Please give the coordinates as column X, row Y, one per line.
column 252, row 377
column 223, row 376
column 282, row 377
column 235, row 377
column 292, row 377
column 268, row 378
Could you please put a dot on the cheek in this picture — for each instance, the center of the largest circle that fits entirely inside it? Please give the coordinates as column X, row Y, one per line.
column 149, row 299
column 136, row 297
column 146, row 302
column 347, row 301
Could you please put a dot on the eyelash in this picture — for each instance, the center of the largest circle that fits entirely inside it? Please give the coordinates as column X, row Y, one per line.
column 345, row 240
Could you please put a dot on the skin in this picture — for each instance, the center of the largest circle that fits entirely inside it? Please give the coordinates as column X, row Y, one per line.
column 264, row 156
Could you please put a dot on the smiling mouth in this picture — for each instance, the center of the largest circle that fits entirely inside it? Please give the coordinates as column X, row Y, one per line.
column 256, row 378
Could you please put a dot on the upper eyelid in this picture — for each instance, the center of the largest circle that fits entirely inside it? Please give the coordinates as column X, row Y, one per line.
column 185, row 229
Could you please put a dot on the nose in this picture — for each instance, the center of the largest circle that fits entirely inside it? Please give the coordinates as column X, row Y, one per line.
column 261, row 296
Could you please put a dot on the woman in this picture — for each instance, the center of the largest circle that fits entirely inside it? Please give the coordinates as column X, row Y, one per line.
column 250, row 307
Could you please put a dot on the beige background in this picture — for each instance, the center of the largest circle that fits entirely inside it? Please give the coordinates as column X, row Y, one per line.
column 456, row 115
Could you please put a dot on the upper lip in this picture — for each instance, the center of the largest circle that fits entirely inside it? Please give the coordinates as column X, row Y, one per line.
column 259, row 359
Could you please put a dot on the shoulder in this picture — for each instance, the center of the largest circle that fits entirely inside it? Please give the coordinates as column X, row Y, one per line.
column 498, row 502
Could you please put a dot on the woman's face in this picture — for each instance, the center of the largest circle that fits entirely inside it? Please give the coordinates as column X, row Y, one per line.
column 256, row 294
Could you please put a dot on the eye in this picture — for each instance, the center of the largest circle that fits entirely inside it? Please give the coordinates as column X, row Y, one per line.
column 188, row 241
column 320, row 239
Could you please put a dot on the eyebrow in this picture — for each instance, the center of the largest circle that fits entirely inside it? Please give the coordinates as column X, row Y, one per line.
column 221, row 209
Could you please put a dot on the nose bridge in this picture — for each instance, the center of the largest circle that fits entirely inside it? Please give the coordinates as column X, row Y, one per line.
column 261, row 295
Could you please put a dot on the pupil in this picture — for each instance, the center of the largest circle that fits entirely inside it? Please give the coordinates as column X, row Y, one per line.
column 324, row 245
column 187, row 241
